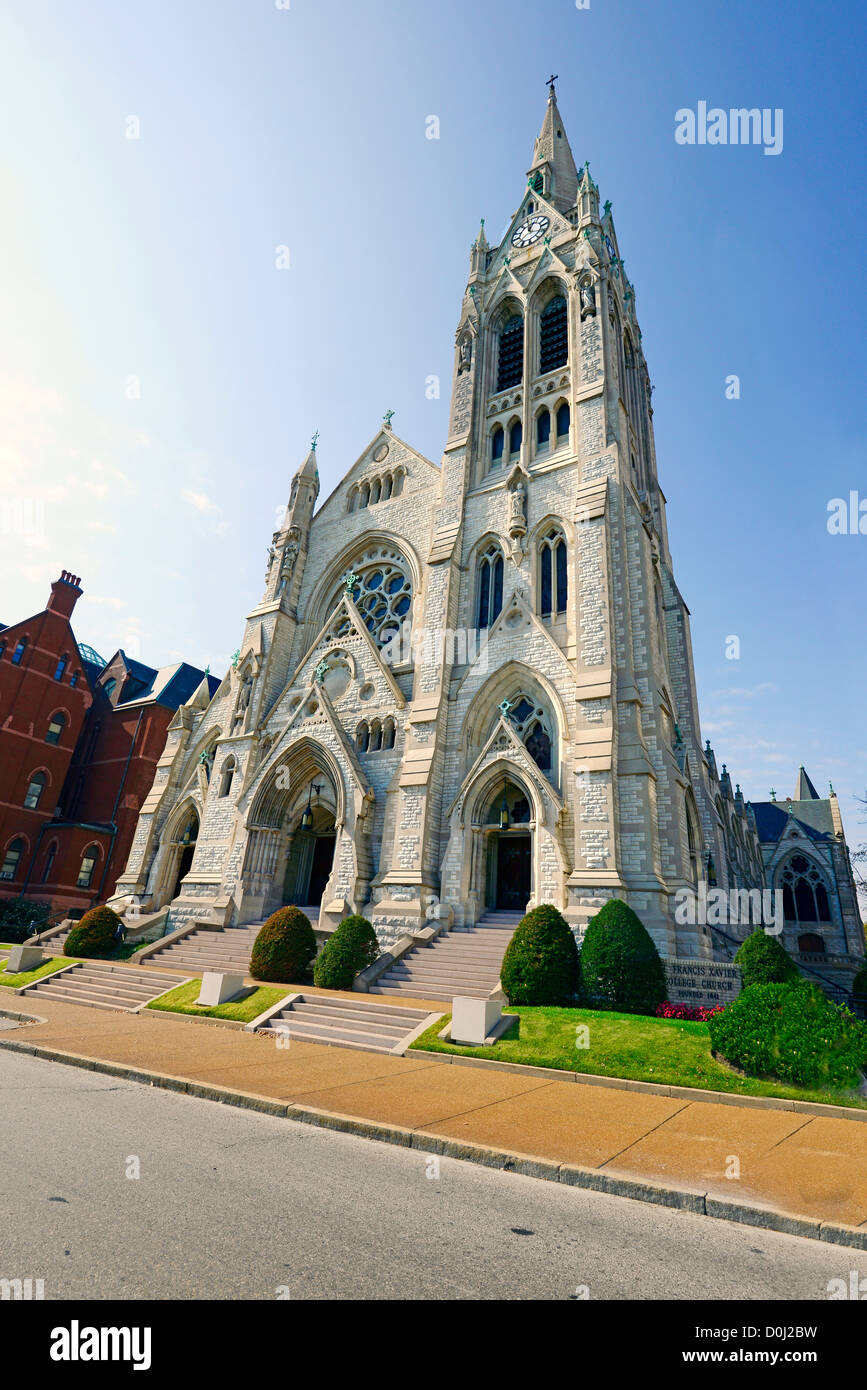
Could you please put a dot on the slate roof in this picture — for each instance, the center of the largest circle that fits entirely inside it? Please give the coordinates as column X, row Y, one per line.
column 813, row 817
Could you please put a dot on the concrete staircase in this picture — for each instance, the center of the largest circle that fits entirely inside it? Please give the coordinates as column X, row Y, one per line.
column 323, row 1018
column 102, row 985
column 464, row 962
column 227, row 951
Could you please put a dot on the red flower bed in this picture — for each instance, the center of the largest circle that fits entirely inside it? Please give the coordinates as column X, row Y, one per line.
column 692, row 1013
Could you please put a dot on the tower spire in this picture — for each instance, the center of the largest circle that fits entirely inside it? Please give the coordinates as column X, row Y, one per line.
column 553, row 172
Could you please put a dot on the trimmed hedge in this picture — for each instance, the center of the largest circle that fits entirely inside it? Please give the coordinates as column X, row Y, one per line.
column 764, row 960
column 96, row 934
column 620, row 966
column 791, row 1032
column 541, row 961
column 20, row 918
column 351, row 949
column 284, row 948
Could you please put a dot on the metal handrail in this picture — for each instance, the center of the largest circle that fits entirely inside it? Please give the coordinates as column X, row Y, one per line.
column 830, row 985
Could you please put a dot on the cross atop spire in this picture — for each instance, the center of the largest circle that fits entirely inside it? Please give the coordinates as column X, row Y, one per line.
column 551, row 80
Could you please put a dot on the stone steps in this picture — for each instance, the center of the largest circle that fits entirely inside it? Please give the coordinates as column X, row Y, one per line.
column 344, row 1022
column 463, row 962
column 101, row 985
column 226, row 952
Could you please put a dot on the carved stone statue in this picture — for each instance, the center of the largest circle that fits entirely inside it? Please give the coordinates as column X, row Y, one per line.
column 466, row 355
column 517, row 509
column 271, row 554
column 588, row 300
column 290, row 556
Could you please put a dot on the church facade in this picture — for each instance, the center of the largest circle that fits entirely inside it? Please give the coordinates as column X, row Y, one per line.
column 469, row 686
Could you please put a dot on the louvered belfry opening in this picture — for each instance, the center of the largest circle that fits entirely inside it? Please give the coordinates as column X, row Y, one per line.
column 553, row 335
column 510, row 368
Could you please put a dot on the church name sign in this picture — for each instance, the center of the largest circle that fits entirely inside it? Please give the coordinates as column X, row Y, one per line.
column 702, row 982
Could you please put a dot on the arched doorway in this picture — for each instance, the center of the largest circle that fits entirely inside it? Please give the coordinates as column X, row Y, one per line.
column 311, row 857
column 186, row 849
column 509, row 872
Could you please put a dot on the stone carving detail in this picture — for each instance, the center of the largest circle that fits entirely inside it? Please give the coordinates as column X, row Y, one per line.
column 588, row 298
column 518, row 508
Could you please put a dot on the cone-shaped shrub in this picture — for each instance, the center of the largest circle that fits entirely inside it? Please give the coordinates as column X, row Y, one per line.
column 95, row 935
column 792, row 1032
column 765, row 961
column 284, row 947
column 541, row 961
column 351, row 949
column 620, row 966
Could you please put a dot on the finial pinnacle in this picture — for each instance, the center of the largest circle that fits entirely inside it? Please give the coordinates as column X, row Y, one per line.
column 314, row 441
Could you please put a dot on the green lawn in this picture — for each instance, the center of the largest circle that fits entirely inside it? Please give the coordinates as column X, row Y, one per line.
column 665, row 1050
column 181, row 1001
column 26, row 977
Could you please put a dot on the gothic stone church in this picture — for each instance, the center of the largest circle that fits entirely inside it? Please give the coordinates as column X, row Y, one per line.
column 470, row 686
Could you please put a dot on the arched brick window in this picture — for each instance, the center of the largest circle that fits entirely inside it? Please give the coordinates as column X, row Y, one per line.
column 12, row 859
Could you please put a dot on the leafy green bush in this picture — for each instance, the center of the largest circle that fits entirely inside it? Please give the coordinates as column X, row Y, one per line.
column 620, row 965
column 791, row 1032
column 765, row 961
column 95, row 935
column 20, row 918
column 284, row 947
column 541, row 961
column 351, row 949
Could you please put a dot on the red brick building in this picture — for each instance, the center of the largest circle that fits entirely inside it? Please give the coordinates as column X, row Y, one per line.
column 79, row 743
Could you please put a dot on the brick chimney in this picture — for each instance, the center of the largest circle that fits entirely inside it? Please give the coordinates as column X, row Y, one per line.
column 65, row 593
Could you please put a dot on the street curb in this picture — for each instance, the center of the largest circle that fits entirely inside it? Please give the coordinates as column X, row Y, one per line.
column 528, row 1165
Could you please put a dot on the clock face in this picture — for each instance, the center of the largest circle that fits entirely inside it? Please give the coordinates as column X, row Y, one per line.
column 531, row 231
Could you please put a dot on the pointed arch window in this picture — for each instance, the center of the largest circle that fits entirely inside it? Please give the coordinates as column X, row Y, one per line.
column 553, row 335
column 805, row 896
column 19, row 652
column 498, row 442
column 229, row 767
column 490, row 586
column 510, row 364
column 12, row 859
column 543, row 431
column 553, row 574
column 362, row 738
column 35, row 789
column 61, row 667
column 532, row 724
column 516, row 438
column 564, row 420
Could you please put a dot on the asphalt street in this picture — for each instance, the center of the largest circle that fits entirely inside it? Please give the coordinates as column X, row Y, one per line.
column 110, row 1189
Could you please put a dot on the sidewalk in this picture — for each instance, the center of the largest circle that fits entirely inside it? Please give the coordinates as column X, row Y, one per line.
column 813, row 1168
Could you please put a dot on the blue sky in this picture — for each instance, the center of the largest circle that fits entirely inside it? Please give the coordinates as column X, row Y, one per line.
column 160, row 378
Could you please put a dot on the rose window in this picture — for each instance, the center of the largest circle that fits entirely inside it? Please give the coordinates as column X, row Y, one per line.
column 382, row 592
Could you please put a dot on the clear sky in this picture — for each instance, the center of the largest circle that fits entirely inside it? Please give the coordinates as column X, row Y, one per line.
column 160, row 377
